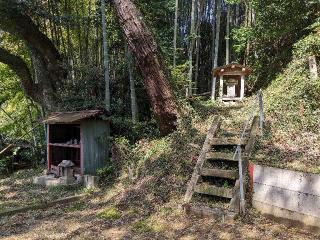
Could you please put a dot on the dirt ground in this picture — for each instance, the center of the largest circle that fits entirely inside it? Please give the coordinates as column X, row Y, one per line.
column 18, row 190
column 83, row 220
column 147, row 208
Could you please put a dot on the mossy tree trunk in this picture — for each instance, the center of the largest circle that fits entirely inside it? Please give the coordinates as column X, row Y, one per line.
column 46, row 59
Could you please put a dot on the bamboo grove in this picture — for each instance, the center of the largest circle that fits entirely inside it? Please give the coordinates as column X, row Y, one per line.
column 192, row 36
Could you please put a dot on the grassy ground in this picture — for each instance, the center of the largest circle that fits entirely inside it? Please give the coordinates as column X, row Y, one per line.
column 145, row 207
column 18, row 190
column 101, row 218
column 145, row 203
column 292, row 134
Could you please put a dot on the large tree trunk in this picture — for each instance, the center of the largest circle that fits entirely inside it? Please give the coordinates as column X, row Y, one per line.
column 46, row 59
column 145, row 50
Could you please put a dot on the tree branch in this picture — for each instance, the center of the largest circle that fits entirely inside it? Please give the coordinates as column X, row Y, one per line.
column 15, row 20
column 21, row 69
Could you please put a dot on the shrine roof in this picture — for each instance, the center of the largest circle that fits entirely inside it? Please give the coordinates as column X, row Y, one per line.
column 232, row 68
column 71, row 117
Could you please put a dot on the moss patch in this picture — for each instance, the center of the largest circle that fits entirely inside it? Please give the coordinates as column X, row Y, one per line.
column 110, row 214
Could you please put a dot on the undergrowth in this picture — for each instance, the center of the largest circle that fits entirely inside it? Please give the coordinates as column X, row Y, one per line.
column 292, row 136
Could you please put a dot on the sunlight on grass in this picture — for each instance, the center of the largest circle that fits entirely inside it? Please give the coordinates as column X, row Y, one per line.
column 147, row 225
column 110, row 214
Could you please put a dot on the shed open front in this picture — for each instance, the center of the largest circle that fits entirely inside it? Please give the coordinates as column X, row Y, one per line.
column 79, row 137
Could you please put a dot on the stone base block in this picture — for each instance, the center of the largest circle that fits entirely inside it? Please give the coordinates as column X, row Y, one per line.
column 91, row 181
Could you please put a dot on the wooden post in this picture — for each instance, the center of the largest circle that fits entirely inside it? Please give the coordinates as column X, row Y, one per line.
column 261, row 114
column 213, row 88
column 242, row 88
column 313, row 68
column 242, row 198
column 221, row 87
column 48, row 148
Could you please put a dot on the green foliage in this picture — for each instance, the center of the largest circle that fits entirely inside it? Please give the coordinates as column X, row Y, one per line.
column 143, row 226
column 134, row 132
column 292, row 103
column 240, row 37
column 77, row 206
column 233, row 1
column 110, row 213
column 278, row 25
column 106, row 173
column 179, row 78
column 309, row 45
column 5, row 163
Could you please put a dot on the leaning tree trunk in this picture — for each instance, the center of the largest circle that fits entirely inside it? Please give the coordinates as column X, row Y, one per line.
column 145, row 50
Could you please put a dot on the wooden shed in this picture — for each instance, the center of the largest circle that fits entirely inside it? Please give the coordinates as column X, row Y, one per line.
column 232, row 81
column 81, row 137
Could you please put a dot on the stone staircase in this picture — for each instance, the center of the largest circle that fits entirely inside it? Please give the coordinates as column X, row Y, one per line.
column 214, row 187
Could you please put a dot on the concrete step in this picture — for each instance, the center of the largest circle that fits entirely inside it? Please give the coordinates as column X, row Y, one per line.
column 215, row 172
column 212, row 190
column 220, row 156
column 229, row 141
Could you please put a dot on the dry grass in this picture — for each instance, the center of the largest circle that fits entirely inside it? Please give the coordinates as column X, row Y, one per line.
column 146, row 208
column 167, row 222
column 18, row 190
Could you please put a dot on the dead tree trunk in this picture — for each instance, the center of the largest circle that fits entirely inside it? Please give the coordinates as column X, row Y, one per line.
column 145, row 50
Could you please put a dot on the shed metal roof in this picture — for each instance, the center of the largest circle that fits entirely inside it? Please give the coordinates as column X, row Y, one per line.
column 232, row 67
column 71, row 117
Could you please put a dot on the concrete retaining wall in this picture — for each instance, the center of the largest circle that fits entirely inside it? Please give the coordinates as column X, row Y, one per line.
column 288, row 196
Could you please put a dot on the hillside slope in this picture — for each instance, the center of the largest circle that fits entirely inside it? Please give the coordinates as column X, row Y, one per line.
column 292, row 137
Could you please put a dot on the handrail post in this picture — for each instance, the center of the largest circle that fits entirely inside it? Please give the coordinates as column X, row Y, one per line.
column 242, row 198
column 261, row 114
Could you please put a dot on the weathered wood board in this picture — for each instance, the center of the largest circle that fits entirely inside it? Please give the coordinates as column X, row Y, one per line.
column 202, row 157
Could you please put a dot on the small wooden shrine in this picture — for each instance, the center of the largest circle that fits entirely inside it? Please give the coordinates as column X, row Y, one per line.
column 80, row 139
column 232, row 81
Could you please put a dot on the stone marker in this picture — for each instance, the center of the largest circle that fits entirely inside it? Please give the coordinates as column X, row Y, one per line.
column 91, row 181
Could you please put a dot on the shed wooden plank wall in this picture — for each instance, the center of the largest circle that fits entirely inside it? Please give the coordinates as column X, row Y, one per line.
column 95, row 143
column 287, row 194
